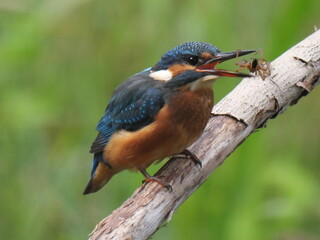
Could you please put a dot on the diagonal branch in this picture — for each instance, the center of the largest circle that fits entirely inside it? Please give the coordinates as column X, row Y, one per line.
column 247, row 107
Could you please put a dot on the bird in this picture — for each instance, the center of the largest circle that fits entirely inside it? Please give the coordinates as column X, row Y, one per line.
column 158, row 112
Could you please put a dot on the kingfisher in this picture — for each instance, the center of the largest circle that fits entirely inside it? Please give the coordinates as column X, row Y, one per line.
column 158, row 112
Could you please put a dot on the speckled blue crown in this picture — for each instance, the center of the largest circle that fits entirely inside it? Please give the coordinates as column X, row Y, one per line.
column 191, row 48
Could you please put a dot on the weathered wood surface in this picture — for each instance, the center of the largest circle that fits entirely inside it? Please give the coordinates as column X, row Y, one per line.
column 235, row 117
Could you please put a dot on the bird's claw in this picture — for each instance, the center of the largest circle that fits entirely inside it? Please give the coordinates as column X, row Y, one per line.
column 159, row 181
column 149, row 178
column 187, row 153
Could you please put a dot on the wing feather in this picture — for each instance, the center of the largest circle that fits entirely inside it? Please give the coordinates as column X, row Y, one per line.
column 133, row 105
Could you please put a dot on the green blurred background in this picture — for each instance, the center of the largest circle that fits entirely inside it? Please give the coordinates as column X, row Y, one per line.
column 59, row 63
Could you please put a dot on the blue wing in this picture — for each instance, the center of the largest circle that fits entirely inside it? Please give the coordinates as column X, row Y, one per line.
column 133, row 105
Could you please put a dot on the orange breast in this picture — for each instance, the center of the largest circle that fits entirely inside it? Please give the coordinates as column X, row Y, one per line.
column 176, row 126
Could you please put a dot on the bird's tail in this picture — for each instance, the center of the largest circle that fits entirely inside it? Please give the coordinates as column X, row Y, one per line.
column 100, row 175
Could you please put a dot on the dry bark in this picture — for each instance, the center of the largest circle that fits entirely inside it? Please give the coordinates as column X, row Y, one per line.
column 293, row 75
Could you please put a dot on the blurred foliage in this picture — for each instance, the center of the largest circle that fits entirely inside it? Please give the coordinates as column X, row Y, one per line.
column 59, row 63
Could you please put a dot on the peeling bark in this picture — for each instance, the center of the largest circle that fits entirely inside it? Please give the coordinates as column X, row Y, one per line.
column 249, row 106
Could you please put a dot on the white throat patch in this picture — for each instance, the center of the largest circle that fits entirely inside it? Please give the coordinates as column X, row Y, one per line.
column 161, row 75
column 203, row 82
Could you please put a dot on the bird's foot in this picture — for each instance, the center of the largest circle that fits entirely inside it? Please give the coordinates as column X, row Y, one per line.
column 160, row 181
column 155, row 179
column 187, row 153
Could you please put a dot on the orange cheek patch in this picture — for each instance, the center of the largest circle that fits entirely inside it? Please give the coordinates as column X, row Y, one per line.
column 179, row 68
column 206, row 55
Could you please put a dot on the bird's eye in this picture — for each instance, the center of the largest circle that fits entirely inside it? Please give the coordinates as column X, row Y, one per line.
column 192, row 60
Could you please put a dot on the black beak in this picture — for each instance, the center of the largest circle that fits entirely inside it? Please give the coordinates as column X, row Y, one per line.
column 209, row 66
column 221, row 57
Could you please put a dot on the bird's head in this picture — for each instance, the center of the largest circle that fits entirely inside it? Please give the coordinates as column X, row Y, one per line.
column 193, row 61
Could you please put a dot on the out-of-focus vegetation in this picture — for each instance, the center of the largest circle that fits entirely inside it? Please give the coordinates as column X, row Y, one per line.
column 59, row 63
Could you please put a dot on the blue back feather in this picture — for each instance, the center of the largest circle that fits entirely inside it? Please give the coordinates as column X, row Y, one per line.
column 133, row 105
column 98, row 157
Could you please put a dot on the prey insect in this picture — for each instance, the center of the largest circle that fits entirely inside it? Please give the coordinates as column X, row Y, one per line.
column 257, row 66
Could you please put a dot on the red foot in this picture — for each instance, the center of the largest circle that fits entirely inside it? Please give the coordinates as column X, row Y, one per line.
column 155, row 179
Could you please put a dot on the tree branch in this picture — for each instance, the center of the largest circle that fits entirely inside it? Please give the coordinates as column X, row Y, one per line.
column 247, row 107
